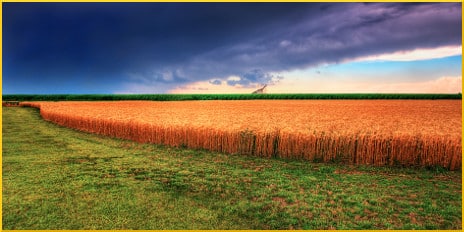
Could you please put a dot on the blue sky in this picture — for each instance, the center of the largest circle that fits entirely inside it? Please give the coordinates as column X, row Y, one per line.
column 231, row 47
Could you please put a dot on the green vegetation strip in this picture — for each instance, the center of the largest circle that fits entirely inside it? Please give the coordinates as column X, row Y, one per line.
column 57, row 178
column 184, row 97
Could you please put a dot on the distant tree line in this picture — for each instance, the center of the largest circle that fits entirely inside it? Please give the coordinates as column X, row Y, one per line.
column 185, row 97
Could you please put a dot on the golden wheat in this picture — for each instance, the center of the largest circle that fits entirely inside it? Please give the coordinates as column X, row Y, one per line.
column 375, row 132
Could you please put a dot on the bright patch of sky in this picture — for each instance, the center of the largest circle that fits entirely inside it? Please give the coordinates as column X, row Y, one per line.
column 434, row 75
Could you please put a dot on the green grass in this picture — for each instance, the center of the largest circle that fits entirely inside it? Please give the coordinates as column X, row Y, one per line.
column 58, row 178
column 183, row 97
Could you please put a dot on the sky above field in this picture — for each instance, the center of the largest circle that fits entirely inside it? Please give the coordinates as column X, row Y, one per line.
column 85, row 48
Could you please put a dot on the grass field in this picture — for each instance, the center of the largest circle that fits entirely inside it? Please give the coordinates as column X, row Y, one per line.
column 58, row 178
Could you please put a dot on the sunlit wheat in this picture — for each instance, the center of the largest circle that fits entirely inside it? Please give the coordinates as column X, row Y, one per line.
column 375, row 132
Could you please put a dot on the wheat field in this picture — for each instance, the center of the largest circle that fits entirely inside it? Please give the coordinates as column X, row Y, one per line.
column 374, row 132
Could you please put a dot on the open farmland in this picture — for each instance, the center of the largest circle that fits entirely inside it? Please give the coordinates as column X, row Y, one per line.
column 377, row 132
column 57, row 178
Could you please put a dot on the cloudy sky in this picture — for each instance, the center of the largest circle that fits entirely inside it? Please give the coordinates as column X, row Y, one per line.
column 231, row 47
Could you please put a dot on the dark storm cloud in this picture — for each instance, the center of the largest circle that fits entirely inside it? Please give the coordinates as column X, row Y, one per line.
column 343, row 32
column 172, row 43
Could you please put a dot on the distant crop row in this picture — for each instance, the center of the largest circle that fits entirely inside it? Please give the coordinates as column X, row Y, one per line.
column 185, row 97
column 383, row 132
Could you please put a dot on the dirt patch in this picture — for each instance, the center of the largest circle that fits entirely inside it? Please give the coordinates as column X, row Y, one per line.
column 282, row 201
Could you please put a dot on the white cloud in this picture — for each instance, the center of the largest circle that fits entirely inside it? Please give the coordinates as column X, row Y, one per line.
column 234, row 78
column 285, row 43
column 417, row 54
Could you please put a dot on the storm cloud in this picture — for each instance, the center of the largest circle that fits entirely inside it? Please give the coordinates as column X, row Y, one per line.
column 336, row 34
column 177, row 43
